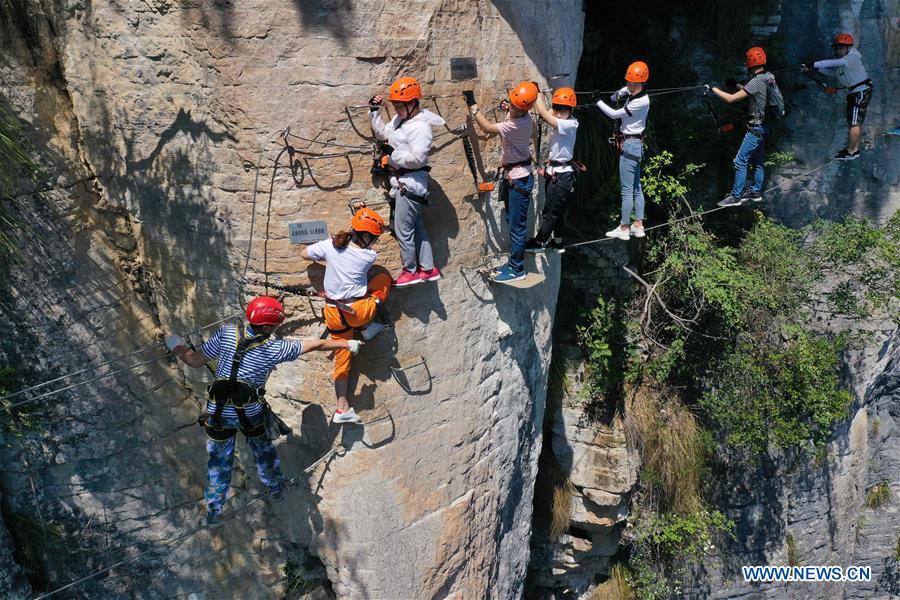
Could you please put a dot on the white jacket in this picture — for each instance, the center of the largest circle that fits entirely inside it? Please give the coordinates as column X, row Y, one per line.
column 411, row 141
column 848, row 70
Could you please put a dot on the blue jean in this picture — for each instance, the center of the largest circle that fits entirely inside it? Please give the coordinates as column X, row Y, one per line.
column 752, row 151
column 630, row 179
column 221, row 464
column 516, row 196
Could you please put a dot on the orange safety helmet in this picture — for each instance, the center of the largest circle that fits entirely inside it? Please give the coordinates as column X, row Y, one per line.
column 404, row 90
column 565, row 97
column 265, row 310
column 366, row 219
column 843, row 39
column 756, row 57
column 637, row 72
column 524, row 95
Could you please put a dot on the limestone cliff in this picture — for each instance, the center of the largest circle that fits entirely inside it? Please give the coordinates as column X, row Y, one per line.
column 155, row 124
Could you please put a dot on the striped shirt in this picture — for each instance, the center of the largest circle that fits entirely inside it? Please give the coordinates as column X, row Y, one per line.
column 255, row 366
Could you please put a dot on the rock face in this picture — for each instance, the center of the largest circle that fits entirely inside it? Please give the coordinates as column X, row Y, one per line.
column 163, row 185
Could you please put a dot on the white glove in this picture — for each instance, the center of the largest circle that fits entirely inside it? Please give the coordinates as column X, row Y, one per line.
column 354, row 345
column 173, row 341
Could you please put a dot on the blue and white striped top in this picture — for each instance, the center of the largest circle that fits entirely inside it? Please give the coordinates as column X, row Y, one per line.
column 256, row 365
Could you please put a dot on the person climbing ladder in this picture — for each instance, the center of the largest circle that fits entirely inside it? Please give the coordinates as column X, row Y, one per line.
column 559, row 173
column 847, row 67
column 763, row 93
column 354, row 294
column 407, row 140
column 517, row 181
column 630, row 144
column 245, row 357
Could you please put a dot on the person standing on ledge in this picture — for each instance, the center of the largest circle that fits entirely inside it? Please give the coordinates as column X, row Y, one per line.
column 559, row 173
column 630, row 144
column 517, row 181
column 847, row 67
column 245, row 357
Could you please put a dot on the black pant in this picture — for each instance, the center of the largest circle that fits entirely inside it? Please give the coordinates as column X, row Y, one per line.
column 560, row 189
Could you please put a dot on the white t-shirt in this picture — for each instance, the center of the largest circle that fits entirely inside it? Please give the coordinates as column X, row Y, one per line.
column 346, row 271
column 848, row 70
column 562, row 144
column 638, row 107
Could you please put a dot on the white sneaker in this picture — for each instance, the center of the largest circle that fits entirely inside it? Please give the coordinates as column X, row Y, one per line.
column 637, row 231
column 371, row 330
column 348, row 416
column 619, row 233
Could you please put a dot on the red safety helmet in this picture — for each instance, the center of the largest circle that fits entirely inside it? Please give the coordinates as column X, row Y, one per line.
column 265, row 310
column 524, row 95
column 637, row 72
column 366, row 219
column 843, row 39
column 565, row 97
column 405, row 89
column 756, row 57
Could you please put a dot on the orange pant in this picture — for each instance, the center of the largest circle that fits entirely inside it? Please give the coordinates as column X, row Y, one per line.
column 379, row 287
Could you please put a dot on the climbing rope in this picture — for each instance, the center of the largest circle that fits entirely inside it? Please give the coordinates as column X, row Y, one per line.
column 153, row 346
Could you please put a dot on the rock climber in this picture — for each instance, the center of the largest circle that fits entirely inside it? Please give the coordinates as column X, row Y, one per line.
column 629, row 140
column 245, row 357
column 354, row 294
column 407, row 141
column 763, row 93
column 517, row 180
column 559, row 173
column 847, row 67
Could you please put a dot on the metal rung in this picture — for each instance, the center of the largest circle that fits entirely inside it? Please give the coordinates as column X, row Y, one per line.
column 399, row 375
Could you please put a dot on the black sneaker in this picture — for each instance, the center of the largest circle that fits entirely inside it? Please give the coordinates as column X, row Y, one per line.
column 754, row 196
column 844, row 155
column 213, row 521
column 729, row 200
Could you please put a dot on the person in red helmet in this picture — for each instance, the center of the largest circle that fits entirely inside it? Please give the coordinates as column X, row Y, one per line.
column 847, row 67
column 518, row 181
column 559, row 173
column 245, row 357
column 764, row 97
column 407, row 141
column 355, row 292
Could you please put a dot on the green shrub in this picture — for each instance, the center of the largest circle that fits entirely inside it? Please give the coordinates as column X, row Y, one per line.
column 878, row 495
column 786, row 394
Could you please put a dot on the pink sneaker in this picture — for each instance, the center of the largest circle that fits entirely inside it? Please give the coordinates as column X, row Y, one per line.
column 406, row 279
column 432, row 274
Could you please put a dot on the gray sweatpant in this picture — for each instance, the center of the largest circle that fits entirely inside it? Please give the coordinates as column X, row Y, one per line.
column 411, row 235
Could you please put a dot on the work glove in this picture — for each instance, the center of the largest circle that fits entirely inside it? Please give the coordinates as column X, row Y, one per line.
column 807, row 67
column 504, row 105
column 354, row 345
column 173, row 341
column 374, row 104
column 469, row 95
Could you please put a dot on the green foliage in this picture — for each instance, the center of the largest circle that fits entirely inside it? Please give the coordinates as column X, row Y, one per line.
column 603, row 336
column 776, row 159
column 783, row 393
column 879, row 494
column 299, row 580
column 658, row 180
column 665, row 545
column 793, row 554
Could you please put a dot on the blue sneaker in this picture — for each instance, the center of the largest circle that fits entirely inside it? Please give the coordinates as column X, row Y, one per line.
column 507, row 275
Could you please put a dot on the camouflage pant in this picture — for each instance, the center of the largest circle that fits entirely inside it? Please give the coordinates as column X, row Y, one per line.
column 221, row 463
